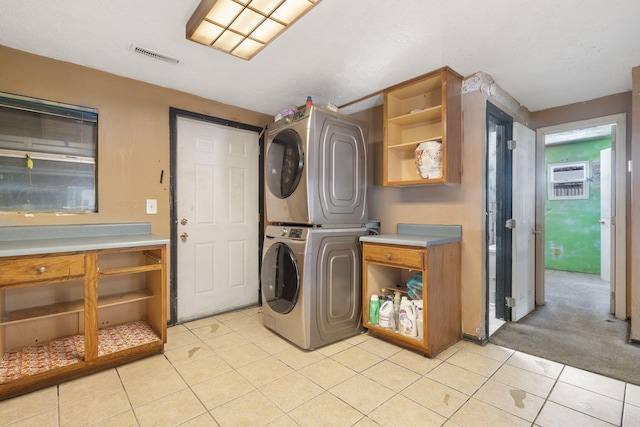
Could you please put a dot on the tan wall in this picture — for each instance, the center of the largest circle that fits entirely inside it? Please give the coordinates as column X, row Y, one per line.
column 133, row 134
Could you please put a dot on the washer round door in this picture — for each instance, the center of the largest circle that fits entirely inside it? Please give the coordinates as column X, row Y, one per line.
column 280, row 278
column 285, row 162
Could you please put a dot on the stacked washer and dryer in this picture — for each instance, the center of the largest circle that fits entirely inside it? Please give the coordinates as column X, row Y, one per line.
column 315, row 173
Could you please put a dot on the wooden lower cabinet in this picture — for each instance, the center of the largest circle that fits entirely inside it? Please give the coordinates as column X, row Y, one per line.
column 390, row 266
column 64, row 315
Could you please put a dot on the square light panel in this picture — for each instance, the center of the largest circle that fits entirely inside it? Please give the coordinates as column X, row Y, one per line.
column 243, row 27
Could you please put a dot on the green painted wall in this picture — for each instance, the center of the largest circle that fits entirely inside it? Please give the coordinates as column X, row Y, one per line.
column 572, row 227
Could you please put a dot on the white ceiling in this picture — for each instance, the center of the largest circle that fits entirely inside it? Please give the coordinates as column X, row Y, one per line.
column 544, row 53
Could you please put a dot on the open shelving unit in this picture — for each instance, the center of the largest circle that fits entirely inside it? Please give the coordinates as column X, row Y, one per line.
column 389, row 265
column 427, row 108
column 69, row 314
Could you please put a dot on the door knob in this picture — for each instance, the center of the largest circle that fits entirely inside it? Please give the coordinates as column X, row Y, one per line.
column 184, row 236
column 602, row 221
column 183, row 221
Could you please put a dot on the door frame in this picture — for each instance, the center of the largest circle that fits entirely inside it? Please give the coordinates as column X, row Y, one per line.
column 619, row 242
column 174, row 113
column 504, row 193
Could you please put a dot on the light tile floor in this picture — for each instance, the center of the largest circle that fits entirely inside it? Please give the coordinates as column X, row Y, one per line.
column 228, row 370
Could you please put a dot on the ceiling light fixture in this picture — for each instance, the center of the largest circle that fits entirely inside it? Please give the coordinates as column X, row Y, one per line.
column 243, row 27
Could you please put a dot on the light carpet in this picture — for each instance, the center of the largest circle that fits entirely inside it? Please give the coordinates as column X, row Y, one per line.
column 575, row 328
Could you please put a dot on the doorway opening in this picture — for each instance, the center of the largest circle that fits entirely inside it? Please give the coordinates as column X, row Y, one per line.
column 578, row 204
column 580, row 189
column 581, row 205
column 499, row 127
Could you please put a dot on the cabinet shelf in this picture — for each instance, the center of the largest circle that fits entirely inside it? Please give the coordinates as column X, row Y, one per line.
column 427, row 108
column 68, row 307
column 42, row 312
column 411, row 145
column 396, row 337
column 64, row 357
column 129, row 270
column 424, row 115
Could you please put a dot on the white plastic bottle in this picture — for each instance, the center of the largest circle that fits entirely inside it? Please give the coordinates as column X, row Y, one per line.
column 407, row 318
column 420, row 323
column 385, row 314
column 417, row 303
column 396, row 311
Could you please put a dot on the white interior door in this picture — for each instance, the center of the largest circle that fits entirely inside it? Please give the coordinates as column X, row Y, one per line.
column 217, row 213
column 605, row 215
column 523, row 236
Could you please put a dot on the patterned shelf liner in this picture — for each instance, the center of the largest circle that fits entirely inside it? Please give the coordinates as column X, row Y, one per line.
column 36, row 359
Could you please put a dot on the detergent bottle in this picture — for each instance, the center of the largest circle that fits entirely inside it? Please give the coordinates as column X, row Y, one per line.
column 385, row 314
column 407, row 318
column 374, row 307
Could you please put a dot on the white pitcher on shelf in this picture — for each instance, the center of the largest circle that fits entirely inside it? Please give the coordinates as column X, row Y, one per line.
column 429, row 159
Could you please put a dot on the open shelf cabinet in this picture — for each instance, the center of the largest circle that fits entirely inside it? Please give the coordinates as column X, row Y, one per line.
column 390, row 266
column 69, row 314
column 427, row 108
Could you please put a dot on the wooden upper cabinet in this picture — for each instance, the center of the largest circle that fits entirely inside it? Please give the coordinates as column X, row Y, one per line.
column 427, row 108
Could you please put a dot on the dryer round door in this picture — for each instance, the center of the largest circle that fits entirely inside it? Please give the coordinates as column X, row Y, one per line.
column 280, row 278
column 285, row 162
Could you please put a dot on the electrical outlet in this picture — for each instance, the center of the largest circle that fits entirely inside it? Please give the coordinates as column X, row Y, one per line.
column 152, row 206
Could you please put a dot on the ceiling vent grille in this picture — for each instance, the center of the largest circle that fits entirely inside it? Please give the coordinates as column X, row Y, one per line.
column 155, row 55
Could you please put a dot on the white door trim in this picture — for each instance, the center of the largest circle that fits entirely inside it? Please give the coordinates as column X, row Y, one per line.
column 618, row 237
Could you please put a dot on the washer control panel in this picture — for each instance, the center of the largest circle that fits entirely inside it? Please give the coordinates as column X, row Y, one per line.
column 299, row 114
column 295, row 233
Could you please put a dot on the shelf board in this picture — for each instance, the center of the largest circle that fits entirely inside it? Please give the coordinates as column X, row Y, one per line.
column 69, row 307
column 396, row 337
column 129, row 270
column 40, row 312
column 426, row 115
column 400, row 183
column 411, row 146
column 124, row 298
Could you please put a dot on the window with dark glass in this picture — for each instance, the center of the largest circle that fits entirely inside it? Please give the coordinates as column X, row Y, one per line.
column 48, row 156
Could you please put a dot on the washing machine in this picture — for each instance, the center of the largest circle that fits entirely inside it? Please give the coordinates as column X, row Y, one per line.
column 311, row 283
column 315, row 169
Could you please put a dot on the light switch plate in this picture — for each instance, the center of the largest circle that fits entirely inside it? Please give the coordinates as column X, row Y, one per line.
column 152, row 206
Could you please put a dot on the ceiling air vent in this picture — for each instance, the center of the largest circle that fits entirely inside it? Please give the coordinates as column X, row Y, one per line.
column 155, row 55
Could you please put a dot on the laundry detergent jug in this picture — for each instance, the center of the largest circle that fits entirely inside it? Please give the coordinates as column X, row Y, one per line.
column 407, row 318
column 385, row 314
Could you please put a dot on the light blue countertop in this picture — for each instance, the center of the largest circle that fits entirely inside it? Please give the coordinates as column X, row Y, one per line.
column 35, row 240
column 422, row 235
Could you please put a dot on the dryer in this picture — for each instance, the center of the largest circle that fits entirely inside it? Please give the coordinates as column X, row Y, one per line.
column 311, row 283
column 315, row 169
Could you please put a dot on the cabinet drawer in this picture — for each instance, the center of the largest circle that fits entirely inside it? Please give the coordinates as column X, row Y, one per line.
column 395, row 255
column 38, row 269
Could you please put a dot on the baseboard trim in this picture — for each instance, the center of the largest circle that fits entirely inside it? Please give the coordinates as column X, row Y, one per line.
column 476, row 340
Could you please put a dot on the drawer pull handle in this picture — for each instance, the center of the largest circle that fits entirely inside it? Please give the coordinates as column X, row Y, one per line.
column 41, row 269
column 388, row 256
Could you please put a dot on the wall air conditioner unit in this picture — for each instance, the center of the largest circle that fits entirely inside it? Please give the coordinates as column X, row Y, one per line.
column 568, row 181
